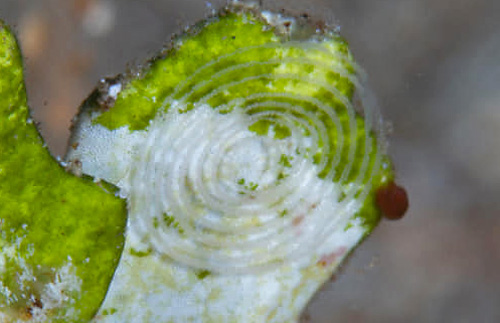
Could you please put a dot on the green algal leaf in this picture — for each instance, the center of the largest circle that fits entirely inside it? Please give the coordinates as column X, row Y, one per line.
column 57, row 232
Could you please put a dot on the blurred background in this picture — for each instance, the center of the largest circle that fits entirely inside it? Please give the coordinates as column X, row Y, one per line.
column 435, row 68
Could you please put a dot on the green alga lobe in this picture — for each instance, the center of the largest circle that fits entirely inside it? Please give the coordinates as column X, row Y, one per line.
column 48, row 218
column 226, row 60
column 138, row 103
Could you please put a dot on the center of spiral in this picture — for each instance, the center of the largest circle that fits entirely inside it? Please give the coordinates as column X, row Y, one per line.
column 244, row 162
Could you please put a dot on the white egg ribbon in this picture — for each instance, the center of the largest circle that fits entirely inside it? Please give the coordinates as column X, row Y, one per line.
column 211, row 193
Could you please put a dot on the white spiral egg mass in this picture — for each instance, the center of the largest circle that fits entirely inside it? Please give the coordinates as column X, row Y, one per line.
column 231, row 180
column 211, row 192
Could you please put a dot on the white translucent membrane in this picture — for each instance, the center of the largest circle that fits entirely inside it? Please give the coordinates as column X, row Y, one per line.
column 237, row 206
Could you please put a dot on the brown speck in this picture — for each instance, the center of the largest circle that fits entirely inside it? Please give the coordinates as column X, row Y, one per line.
column 330, row 258
column 104, row 99
column 321, row 26
column 298, row 220
column 327, row 259
column 392, row 200
column 36, row 303
column 75, row 145
column 75, row 167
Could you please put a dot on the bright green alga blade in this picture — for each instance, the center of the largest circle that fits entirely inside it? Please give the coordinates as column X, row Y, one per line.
column 60, row 236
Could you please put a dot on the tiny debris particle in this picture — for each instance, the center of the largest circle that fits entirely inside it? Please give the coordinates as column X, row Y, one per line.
column 75, row 167
column 114, row 90
column 298, row 220
column 36, row 303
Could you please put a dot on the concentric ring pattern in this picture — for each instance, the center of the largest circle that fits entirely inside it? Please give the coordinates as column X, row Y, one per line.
column 256, row 158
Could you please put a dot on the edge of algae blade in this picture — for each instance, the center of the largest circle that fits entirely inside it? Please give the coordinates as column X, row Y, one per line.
column 61, row 236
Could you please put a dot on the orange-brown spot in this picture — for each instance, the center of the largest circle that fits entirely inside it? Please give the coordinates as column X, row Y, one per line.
column 298, row 220
column 330, row 258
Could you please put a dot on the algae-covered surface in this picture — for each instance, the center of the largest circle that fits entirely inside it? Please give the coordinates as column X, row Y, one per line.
column 60, row 236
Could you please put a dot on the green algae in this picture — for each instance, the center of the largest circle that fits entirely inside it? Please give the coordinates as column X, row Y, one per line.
column 203, row 273
column 170, row 221
column 138, row 253
column 138, row 103
column 48, row 218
